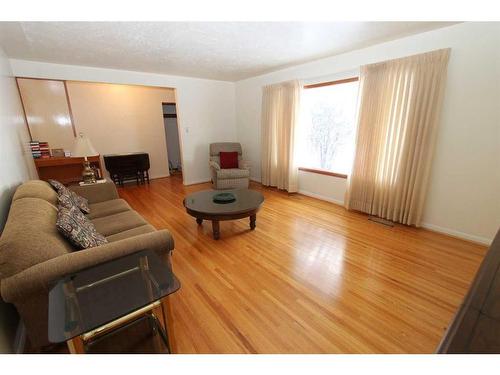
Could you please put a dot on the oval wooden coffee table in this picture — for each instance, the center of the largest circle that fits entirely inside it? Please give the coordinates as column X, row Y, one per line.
column 202, row 207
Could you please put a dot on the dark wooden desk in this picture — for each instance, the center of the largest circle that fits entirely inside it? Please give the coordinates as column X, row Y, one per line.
column 65, row 170
column 129, row 166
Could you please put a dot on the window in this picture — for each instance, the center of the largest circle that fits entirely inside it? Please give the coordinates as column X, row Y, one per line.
column 325, row 142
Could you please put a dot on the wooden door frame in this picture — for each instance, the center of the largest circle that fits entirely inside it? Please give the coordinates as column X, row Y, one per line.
column 179, row 132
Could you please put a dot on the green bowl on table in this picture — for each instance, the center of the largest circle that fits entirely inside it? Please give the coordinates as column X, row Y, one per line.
column 223, row 198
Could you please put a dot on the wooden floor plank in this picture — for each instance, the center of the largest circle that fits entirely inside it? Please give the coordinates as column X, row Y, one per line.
column 312, row 277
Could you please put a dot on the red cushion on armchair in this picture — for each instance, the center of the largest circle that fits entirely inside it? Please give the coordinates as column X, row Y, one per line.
column 228, row 160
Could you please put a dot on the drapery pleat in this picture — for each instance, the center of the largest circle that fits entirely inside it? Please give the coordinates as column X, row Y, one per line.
column 280, row 114
column 399, row 108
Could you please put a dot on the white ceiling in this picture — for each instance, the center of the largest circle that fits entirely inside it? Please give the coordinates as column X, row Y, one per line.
column 217, row 50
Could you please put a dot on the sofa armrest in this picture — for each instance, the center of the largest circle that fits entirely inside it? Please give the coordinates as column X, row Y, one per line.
column 39, row 276
column 97, row 192
column 214, row 165
column 244, row 164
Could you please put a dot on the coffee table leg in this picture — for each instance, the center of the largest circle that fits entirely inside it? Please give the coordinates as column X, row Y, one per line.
column 253, row 219
column 215, row 229
column 199, row 221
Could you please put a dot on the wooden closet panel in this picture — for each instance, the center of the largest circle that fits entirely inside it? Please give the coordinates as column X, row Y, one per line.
column 47, row 111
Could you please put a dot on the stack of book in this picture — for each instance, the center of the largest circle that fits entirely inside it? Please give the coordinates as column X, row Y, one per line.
column 35, row 149
column 40, row 149
column 44, row 149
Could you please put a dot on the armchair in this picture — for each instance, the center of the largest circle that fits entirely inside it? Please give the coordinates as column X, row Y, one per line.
column 235, row 178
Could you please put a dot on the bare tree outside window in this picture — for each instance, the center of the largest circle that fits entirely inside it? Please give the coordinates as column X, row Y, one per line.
column 327, row 127
column 329, row 132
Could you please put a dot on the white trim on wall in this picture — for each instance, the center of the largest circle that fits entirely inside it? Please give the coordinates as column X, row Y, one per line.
column 428, row 226
column 159, row 176
column 458, row 234
column 434, row 228
column 321, row 197
column 197, row 182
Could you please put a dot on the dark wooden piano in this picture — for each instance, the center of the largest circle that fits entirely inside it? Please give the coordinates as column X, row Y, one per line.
column 128, row 167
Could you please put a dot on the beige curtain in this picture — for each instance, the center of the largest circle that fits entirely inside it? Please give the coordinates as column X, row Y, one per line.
column 400, row 102
column 280, row 114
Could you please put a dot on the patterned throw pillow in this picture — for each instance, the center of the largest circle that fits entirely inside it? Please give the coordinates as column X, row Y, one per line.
column 57, row 185
column 67, row 197
column 79, row 230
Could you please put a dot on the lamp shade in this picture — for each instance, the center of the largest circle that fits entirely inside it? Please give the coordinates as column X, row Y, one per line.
column 82, row 147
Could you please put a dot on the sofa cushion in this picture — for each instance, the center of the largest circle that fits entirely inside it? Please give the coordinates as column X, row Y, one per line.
column 107, row 208
column 233, row 173
column 95, row 193
column 77, row 229
column 131, row 233
column 36, row 189
column 117, row 223
column 30, row 236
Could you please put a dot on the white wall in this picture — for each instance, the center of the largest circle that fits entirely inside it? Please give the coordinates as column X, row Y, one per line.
column 16, row 166
column 206, row 109
column 464, row 191
column 122, row 118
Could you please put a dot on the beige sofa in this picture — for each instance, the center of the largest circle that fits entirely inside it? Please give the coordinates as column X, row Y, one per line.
column 33, row 253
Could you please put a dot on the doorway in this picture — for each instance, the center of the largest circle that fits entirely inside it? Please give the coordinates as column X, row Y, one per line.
column 172, row 139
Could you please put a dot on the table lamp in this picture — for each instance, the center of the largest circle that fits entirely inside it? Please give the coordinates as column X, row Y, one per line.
column 83, row 148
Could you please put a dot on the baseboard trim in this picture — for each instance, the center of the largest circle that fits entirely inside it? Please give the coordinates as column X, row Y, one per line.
column 457, row 234
column 196, row 182
column 428, row 226
column 321, row 197
column 158, row 177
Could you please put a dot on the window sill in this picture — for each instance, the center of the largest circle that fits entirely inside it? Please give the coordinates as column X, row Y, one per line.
column 326, row 173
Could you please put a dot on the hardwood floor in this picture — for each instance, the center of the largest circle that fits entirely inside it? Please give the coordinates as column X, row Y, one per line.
column 312, row 277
